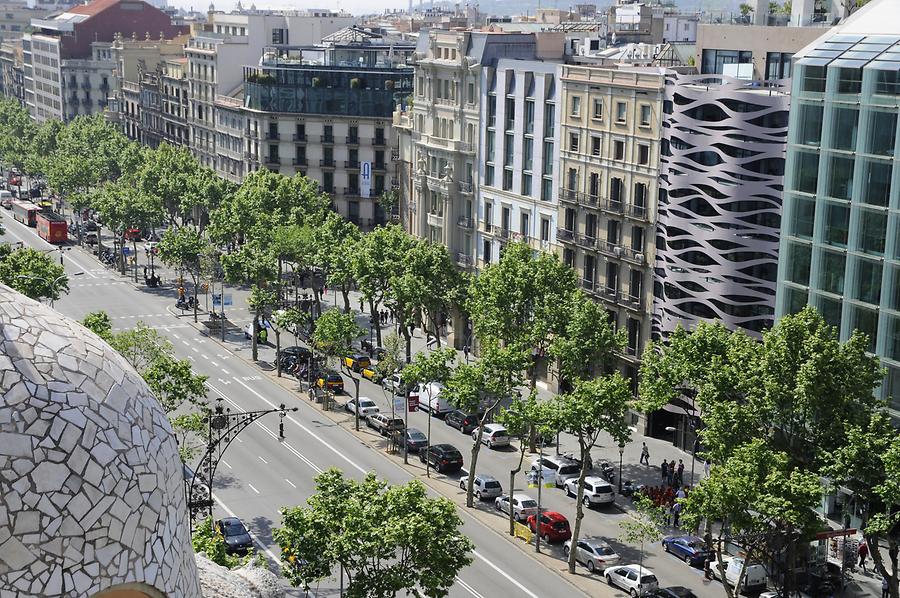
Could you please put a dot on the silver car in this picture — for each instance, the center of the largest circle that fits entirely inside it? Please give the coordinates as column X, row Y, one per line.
column 484, row 487
column 593, row 553
column 523, row 506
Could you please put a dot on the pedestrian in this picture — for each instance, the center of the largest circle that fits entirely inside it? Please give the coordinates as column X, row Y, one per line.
column 885, row 592
column 670, row 477
column 680, row 493
column 680, row 470
column 645, row 455
column 360, row 305
column 145, row 273
column 676, row 513
column 706, row 468
column 664, row 469
column 863, row 553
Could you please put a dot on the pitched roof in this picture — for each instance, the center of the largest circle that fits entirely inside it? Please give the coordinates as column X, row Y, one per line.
column 93, row 8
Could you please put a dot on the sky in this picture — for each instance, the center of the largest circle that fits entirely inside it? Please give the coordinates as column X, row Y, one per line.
column 356, row 7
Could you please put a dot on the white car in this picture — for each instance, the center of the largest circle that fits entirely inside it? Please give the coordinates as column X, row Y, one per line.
column 394, row 383
column 484, row 487
column 597, row 491
column 523, row 506
column 494, row 435
column 634, row 579
column 367, row 407
column 556, row 469
column 593, row 553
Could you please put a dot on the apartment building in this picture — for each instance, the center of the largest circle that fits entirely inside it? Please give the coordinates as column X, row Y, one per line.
column 445, row 122
column 840, row 233
column 719, row 203
column 16, row 19
column 12, row 71
column 327, row 113
column 610, row 130
column 516, row 197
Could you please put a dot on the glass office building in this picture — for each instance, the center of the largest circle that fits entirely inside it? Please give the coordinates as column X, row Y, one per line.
column 840, row 233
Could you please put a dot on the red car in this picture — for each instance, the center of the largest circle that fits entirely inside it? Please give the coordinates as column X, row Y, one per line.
column 554, row 527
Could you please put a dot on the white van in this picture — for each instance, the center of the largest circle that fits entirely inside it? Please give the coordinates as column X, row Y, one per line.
column 6, row 199
column 430, row 398
column 755, row 577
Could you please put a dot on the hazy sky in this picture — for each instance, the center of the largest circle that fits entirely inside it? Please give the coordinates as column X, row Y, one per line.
column 352, row 6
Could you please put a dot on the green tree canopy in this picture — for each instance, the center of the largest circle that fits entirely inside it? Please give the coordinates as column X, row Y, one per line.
column 33, row 273
column 388, row 539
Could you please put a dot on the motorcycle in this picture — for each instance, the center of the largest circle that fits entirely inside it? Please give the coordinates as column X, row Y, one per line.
column 608, row 471
column 188, row 303
column 629, row 488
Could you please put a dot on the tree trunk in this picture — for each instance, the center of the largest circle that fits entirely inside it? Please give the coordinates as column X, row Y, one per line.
column 408, row 337
column 894, row 577
column 255, row 330
column 345, row 292
column 373, row 307
column 437, row 330
column 122, row 255
column 579, row 498
column 512, row 484
column 196, row 281
column 134, row 246
column 476, row 448
column 356, row 391
column 278, row 352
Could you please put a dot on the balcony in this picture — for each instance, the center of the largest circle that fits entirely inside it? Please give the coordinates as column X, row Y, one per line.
column 273, row 136
column 327, row 189
column 578, row 198
column 587, row 284
column 273, row 160
column 434, row 219
column 465, row 187
column 326, row 162
column 250, row 157
column 352, row 140
column 300, row 138
column 395, row 154
column 466, row 222
column 351, row 164
column 632, row 301
column 504, row 233
column 586, row 241
column 252, row 134
column 351, row 191
column 565, row 235
column 637, row 212
column 326, row 138
column 379, row 142
column 85, row 85
column 299, row 161
column 463, row 260
column 487, row 227
column 621, row 252
column 395, row 183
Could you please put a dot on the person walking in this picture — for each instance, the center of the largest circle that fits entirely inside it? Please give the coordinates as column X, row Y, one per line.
column 676, row 513
column 680, row 471
column 664, row 470
column 863, row 553
column 670, row 477
column 645, row 455
column 885, row 592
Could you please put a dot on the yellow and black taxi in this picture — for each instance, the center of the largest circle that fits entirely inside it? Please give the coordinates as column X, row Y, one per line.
column 330, row 380
column 357, row 361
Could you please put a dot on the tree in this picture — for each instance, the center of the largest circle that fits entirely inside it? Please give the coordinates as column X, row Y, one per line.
column 122, row 206
column 438, row 280
column 99, row 323
column 43, row 144
column 481, row 387
column 32, row 273
column 763, row 505
column 207, row 539
column 587, row 340
column 16, row 132
column 592, row 407
column 643, row 526
column 389, row 201
column 336, row 241
column 285, row 319
column 388, row 539
column 262, row 300
column 172, row 175
column 869, row 465
column 182, row 247
column 141, row 346
column 174, row 383
column 333, row 337
column 427, row 368
column 190, row 428
column 256, row 265
column 745, row 9
column 521, row 419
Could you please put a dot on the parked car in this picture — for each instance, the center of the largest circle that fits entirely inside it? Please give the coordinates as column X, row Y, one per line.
column 237, row 538
column 442, row 457
column 384, row 423
column 597, row 491
column 634, row 579
column 755, row 577
column 494, row 436
column 691, row 549
column 366, row 407
column 357, row 361
column 415, row 440
column 463, row 421
column 6, row 199
column 554, row 527
column 680, row 592
column 330, row 380
column 593, row 553
column 523, row 506
column 485, row 487
column 297, row 352
column 152, row 247
column 556, row 469
column 431, row 399
column 395, row 384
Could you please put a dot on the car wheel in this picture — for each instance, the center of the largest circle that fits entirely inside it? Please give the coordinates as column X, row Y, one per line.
column 609, row 580
column 490, row 444
column 633, row 593
column 462, row 485
column 497, row 506
column 687, row 559
column 590, row 566
column 666, row 548
column 566, row 551
column 478, row 495
column 547, row 538
column 587, row 502
column 568, row 490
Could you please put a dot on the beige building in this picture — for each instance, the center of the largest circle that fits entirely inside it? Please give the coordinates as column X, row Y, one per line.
column 609, row 170
column 15, row 19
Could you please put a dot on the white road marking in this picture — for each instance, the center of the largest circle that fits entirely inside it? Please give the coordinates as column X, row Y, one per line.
column 214, row 363
column 226, row 464
column 194, row 349
column 239, row 440
column 224, row 371
column 262, row 546
column 204, row 356
column 176, row 336
column 223, row 381
column 186, row 343
column 263, row 460
column 468, row 588
column 252, row 488
column 290, row 482
column 504, row 574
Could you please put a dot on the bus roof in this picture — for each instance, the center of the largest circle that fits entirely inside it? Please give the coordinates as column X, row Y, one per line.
column 51, row 216
column 25, row 204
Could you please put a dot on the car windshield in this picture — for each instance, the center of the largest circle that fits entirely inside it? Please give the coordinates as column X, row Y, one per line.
column 334, row 378
column 568, row 469
column 560, row 525
column 648, row 579
column 366, row 403
column 604, row 550
column 233, row 528
column 492, row 484
column 417, row 436
column 529, row 504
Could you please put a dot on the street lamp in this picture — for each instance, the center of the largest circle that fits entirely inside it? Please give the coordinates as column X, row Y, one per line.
column 621, row 457
column 52, row 283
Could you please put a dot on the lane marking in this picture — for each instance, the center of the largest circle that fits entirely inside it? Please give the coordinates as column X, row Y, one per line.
column 467, row 587
column 194, row 349
column 252, row 488
column 204, row 356
column 215, row 365
column 239, row 440
column 224, row 371
column 226, row 463
column 187, row 344
column 263, row 460
column 290, row 482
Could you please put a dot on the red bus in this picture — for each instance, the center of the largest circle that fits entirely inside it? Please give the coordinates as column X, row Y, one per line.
column 52, row 227
column 25, row 212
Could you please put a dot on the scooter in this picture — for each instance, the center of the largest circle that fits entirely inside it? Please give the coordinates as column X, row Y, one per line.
column 608, row 471
column 629, row 488
column 189, row 303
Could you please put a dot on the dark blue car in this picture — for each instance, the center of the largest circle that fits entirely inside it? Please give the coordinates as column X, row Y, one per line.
column 690, row 549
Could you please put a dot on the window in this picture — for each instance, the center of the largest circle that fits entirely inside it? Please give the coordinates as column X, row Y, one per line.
column 489, row 175
column 597, row 114
column 849, row 80
column 524, row 222
column 328, row 135
column 546, row 189
column 778, row 65
column 549, row 120
column 621, row 107
column 612, row 231
column 713, row 62
column 595, row 146
column 810, row 124
column 813, row 78
column 619, row 150
column 328, row 181
column 594, row 184
column 526, row 184
column 615, row 190
column 510, row 114
column 575, row 106
column 504, row 218
column 507, row 179
column 645, row 115
column 545, row 229
column 529, row 116
column 643, row 154
column 379, row 159
column 547, row 159
column 634, row 339
column 489, row 146
column 487, row 251
column 527, row 153
column 279, row 36
column 573, row 142
column 470, row 93
column 508, row 149
column 845, row 122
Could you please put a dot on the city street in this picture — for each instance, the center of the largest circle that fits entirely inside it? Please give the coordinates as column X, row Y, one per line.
column 260, row 473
